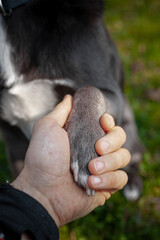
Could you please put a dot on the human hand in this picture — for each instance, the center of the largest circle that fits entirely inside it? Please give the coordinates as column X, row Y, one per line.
column 46, row 175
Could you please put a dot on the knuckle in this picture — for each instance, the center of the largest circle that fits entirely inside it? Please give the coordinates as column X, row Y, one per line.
column 121, row 132
column 127, row 154
column 124, row 178
column 119, row 180
column 120, row 159
column 102, row 201
column 116, row 162
column 112, row 181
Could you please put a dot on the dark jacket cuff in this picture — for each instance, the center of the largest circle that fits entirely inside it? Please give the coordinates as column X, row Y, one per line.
column 19, row 213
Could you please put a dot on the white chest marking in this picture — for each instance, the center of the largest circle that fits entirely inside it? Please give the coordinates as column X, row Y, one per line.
column 25, row 103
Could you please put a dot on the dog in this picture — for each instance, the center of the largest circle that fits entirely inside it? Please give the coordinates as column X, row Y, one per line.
column 52, row 48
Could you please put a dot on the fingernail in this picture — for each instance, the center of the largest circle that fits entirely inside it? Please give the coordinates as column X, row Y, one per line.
column 98, row 166
column 105, row 146
column 96, row 180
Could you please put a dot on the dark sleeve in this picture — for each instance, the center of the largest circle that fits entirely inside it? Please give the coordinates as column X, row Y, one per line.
column 21, row 213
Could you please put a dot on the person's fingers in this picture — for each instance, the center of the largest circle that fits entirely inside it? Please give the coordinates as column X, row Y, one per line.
column 107, row 122
column 111, row 142
column 109, row 162
column 101, row 197
column 61, row 111
column 108, row 181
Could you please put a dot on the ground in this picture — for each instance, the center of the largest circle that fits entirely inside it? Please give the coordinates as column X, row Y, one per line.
column 135, row 28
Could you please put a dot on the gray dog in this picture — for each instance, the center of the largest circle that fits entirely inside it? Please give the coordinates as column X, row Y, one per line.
column 52, row 48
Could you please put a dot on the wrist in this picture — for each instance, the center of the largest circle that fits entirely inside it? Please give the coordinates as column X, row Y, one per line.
column 23, row 185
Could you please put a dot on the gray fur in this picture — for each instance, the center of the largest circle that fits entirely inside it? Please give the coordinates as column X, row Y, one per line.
column 84, row 130
column 47, row 54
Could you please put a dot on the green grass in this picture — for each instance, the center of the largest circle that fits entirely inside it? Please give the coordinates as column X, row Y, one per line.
column 135, row 28
column 5, row 173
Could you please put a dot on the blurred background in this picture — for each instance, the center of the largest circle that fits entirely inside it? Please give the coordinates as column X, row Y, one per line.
column 135, row 28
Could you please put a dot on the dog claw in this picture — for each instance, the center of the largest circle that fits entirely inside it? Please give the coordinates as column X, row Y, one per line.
column 90, row 192
column 81, row 178
column 93, row 193
column 75, row 170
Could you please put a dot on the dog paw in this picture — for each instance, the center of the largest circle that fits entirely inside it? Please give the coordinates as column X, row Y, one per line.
column 133, row 189
column 84, row 130
column 81, row 177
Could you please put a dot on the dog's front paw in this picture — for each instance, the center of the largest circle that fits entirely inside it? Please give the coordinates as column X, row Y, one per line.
column 84, row 130
column 81, row 175
column 134, row 187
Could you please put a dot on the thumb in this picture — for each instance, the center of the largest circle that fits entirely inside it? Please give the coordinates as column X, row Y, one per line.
column 61, row 111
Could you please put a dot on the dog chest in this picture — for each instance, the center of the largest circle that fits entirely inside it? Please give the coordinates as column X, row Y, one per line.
column 25, row 103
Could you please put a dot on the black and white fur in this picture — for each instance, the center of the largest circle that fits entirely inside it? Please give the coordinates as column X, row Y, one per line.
column 51, row 48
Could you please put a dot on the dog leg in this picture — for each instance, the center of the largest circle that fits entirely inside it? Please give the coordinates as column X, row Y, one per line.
column 84, row 130
column 134, row 187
